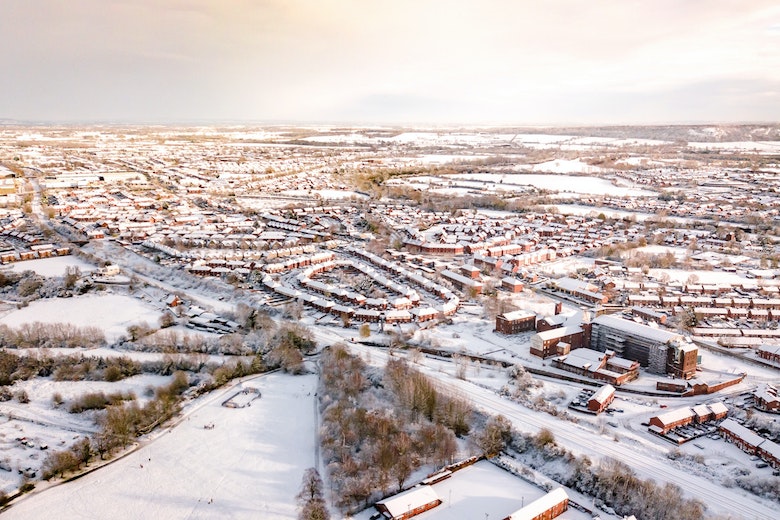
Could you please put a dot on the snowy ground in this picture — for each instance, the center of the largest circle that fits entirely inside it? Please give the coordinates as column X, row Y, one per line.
column 559, row 183
column 248, row 466
column 54, row 266
column 325, row 194
column 482, row 490
column 626, row 440
column 43, row 423
column 703, row 277
column 113, row 313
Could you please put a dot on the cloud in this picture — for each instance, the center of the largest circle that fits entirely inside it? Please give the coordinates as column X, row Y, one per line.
column 421, row 59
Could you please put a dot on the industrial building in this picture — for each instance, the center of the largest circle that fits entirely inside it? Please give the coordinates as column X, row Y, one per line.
column 659, row 351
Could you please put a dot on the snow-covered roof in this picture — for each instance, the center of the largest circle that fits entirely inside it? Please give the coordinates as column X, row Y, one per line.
column 558, row 333
column 518, row 315
column 572, row 284
column 624, row 363
column 674, row 416
column 769, row 349
column 767, row 393
column 537, row 507
column 771, row 448
column 401, row 503
column 747, row 435
column 557, row 319
column 603, row 394
column 718, row 408
column 632, row 327
column 584, row 358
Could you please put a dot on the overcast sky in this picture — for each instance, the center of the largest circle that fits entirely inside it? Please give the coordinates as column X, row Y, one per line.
column 416, row 61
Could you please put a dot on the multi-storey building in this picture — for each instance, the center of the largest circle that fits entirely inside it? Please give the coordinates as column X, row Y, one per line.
column 660, row 351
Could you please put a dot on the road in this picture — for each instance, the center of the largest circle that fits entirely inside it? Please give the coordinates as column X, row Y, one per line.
column 644, row 462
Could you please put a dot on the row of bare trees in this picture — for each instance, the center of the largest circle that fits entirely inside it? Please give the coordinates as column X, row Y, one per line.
column 37, row 334
column 74, row 367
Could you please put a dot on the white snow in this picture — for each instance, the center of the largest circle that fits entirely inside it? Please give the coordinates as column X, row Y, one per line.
column 483, row 490
column 112, row 313
column 324, row 194
column 761, row 147
column 54, row 266
column 44, row 424
column 577, row 184
column 565, row 166
column 248, row 466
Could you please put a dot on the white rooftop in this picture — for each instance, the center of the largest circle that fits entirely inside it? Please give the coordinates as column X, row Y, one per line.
column 603, row 393
column 519, row 314
column 747, row 435
column 558, row 333
column 537, row 507
column 400, row 504
column 584, row 358
column 673, row 416
column 638, row 329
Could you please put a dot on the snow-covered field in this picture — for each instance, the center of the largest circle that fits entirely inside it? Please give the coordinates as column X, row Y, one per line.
column 705, row 277
column 44, row 424
column 113, row 313
column 482, row 490
column 248, row 466
column 563, row 183
column 325, row 194
column 54, row 266
column 761, row 147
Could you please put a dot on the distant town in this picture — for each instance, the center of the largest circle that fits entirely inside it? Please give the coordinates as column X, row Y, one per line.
column 515, row 323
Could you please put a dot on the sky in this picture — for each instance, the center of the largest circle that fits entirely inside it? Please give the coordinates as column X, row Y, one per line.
column 551, row 62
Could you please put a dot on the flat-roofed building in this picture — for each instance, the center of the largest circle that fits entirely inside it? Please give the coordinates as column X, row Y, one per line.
column 660, row 351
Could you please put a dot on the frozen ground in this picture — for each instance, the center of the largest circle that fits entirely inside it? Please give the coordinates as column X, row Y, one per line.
column 54, row 266
column 577, row 209
column 248, row 466
column 113, row 313
column 325, row 194
column 482, row 490
column 44, row 424
column 627, row 441
column 558, row 183
column 703, row 277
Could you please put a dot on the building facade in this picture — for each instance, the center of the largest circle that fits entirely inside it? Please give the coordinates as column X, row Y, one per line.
column 515, row 322
column 659, row 351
